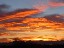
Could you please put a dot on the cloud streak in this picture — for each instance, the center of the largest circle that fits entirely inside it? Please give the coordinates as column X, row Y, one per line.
column 56, row 3
column 20, row 15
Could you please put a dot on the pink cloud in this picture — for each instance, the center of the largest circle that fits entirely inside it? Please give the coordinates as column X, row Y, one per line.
column 56, row 4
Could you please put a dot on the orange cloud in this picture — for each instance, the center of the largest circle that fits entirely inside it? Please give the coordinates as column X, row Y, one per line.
column 20, row 14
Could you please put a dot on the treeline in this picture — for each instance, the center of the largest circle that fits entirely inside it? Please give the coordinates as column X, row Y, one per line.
column 31, row 44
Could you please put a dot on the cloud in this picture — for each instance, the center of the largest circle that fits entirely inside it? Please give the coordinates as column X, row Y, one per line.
column 41, row 7
column 56, row 3
column 4, row 6
column 51, row 3
column 20, row 14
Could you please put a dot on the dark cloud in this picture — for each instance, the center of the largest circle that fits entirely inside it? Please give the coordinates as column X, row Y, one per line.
column 4, row 6
column 3, row 9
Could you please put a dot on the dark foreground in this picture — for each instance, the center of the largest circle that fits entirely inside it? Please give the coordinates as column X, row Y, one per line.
column 33, row 44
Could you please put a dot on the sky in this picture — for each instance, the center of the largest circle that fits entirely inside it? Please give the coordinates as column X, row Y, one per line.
column 43, row 28
column 15, row 4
